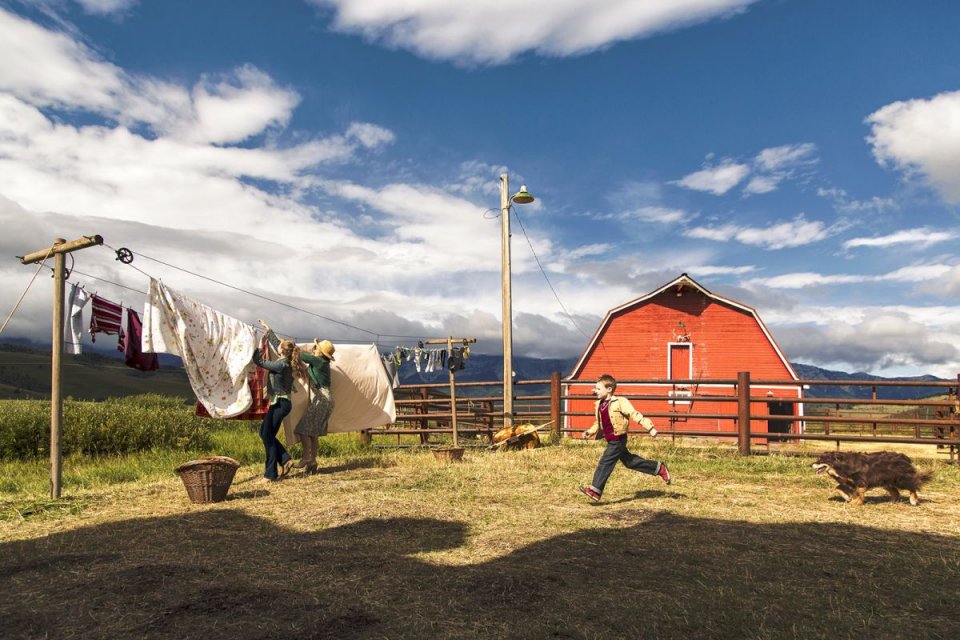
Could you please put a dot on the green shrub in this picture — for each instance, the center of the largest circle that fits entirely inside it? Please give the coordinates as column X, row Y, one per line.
column 134, row 423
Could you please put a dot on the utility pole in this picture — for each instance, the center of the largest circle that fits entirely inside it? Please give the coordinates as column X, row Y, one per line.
column 507, row 296
column 521, row 197
column 58, row 250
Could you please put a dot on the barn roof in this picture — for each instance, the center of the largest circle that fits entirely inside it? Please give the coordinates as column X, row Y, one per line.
column 682, row 281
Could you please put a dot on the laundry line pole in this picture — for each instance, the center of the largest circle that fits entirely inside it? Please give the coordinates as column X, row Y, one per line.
column 453, row 387
column 58, row 250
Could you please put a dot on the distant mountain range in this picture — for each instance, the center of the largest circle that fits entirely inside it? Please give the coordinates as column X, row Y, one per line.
column 810, row 372
column 99, row 374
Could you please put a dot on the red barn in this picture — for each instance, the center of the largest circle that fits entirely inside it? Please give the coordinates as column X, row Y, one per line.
column 675, row 341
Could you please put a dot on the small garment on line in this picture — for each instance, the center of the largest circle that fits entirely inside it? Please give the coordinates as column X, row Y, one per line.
column 215, row 348
column 390, row 366
column 74, row 329
column 133, row 355
column 455, row 361
column 106, row 317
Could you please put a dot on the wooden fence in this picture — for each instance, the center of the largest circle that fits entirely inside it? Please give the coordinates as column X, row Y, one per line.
column 424, row 412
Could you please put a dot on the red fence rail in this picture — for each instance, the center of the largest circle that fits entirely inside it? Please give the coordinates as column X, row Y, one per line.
column 425, row 411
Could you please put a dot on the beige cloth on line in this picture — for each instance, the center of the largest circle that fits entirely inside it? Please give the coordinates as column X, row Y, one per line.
column 362, row 393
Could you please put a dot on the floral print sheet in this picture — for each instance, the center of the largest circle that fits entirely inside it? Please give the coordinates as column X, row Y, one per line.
column 215, row 348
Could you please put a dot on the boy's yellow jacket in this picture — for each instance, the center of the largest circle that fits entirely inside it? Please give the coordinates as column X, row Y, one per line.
column 620, row 413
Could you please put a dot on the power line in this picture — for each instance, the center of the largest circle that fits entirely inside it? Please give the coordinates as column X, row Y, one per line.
column 262, row 297
column 29, row 284
column 535, row 257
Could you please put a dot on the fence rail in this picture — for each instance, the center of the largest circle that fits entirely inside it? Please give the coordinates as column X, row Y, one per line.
column 425, row 411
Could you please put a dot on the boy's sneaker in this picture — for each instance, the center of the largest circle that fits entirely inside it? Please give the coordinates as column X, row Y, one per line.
column 664, row 473
column 589, row 492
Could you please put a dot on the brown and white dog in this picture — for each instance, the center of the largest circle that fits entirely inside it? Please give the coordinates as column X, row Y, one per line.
column 856, row 473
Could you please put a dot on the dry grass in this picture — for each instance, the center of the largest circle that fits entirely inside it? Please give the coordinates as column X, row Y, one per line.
column 395, row 544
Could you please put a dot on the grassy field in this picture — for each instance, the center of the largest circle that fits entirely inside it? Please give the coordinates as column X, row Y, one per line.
column 393, row 544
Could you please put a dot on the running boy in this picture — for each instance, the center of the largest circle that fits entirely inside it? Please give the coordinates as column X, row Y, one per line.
column 613, row 414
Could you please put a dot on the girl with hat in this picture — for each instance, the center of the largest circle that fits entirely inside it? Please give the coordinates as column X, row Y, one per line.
column 317, row 416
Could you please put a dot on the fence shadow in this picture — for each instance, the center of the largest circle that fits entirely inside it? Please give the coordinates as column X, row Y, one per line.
column 224, row 574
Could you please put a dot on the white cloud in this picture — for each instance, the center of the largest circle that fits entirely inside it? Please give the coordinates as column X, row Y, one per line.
column 880, row 339
column 762, row 184
column 842, row 202
column 369, row 135
column 806, row 279
column 106, row 7
column 663, row 215
column 704, row 271
column 921, row 137
column 922, row 237
column 48, row 68
column 493, row 32
column 802, row 280
column 794, row 233
column 597, row 249
column 767, row 170
column 717, row 179
column 234, row 213
column 916, row 273
column 786, row 156
column 237, row 106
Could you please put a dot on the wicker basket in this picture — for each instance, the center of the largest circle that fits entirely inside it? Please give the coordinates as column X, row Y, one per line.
column 208, row 479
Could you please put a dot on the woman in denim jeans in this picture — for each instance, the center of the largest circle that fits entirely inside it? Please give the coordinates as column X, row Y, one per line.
column 280, row 387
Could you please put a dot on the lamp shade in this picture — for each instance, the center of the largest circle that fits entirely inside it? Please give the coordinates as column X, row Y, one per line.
column 523, row 196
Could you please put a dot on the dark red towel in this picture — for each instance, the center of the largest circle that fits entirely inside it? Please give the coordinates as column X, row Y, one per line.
column 132, row 354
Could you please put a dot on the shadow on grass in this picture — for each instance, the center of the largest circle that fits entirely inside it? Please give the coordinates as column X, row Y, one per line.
column 350, row 466
column 646, row 494
column 248, row 495
column 225, row 574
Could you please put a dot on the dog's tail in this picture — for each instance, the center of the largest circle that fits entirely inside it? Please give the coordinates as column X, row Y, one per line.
column 923, row 478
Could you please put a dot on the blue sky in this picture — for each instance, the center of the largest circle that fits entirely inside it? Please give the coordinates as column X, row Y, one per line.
column 798, row 156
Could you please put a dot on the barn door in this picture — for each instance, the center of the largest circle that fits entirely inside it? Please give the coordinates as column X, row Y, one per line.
column 680, row 365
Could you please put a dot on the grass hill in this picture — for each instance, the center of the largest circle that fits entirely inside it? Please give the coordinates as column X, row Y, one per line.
column 25, row 373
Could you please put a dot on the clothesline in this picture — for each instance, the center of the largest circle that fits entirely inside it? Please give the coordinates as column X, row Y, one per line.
column 380, row 338
column 424, row 360
column 240, row 289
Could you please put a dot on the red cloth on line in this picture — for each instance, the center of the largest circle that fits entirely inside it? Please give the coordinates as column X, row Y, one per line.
column 261, row 403
column 132, row 354
column 106, row 317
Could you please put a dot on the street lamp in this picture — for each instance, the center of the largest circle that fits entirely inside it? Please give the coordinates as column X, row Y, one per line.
column 521, row 197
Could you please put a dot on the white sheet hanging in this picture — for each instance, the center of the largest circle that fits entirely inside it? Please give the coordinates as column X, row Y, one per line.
column 215, row 348
column 362, row 394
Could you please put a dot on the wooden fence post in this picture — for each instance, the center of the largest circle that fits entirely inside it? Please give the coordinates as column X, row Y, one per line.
column 555, row 404
column 424, row 408
column 743, row 412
